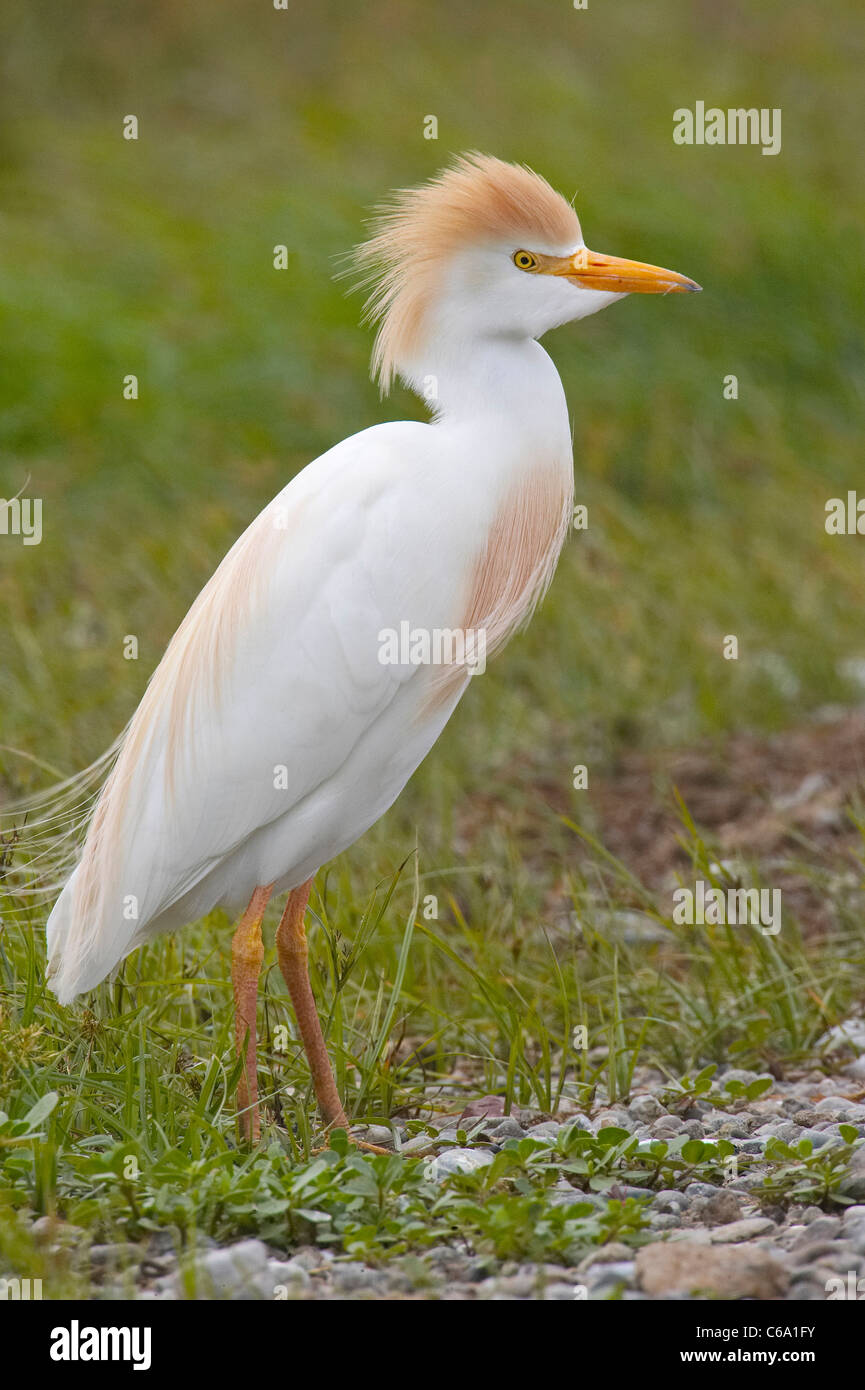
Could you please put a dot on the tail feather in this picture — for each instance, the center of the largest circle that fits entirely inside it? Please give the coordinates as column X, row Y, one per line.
column 42, row 837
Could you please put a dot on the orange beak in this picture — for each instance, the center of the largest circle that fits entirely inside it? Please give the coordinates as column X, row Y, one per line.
column 594, row 271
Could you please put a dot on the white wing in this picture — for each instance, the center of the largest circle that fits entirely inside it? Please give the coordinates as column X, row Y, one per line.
column 269, row 685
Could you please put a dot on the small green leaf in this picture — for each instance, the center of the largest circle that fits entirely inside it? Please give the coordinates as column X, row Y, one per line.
column 756, row 1088
column 693, row 1151
column 41, row 1110
column 613, row 1135
column 339, row 1142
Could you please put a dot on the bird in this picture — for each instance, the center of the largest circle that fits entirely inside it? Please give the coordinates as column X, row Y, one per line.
column 281, row 721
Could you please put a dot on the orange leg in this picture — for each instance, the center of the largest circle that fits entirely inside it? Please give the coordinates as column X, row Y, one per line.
column 247, row 950
column 292, row 951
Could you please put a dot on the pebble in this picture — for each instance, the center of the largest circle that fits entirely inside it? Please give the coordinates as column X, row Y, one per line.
column 618, row 1119
column 840, row 1109
column 685, row 1267
column 736, row 1231
column 349, row 1278
column 120, row 1255
column 817, row 1136
column 821, row 1228
column 644, row 1109
column 508, row 1128
column 700, row 1191
column 668, row 1200
column 234, row 1272
column 547, row 1129
column 606, row 1275
column 667, row 1127
column 459, row 1161
column 377, row 1134
column 723, row 1207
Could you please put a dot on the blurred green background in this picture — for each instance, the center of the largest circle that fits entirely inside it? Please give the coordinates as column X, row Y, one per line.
column 260, row 127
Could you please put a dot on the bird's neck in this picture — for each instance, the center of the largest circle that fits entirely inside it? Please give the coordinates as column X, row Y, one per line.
column 510, row 381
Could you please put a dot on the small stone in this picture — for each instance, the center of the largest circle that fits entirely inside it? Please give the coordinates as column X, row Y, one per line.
column 721, row 1209
column 310, row 1258
column 120, row 1255
column 737, row 1231
column 233, row 1272
column 508, row 1128
column 459, row 1161
column 667, row 1127
column 616, row 1272
column 382, row 1135
column 420, row 1144
column 734, row 1129
column 613, row 1253
column 352, row 1278
column 618, row 1119
column 699, row 1234
column 810, row 1214
column 855, row 1234
column 49, row 1230
column 547, row 1129
column 779, row 1129
column 484, row 1106
column 665, row 1221
column 854, row 1185
column 644, row 1109
column 838, row 1108
column 817, row 1137
column 702, row 1191
column 668, row 1200
column 288, row 1275
column 807, row 1255
column 678, row 1267
column 820, row 1228
column 517, row 1285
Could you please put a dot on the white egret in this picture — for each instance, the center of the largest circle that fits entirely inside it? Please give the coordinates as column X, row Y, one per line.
column 275, row 730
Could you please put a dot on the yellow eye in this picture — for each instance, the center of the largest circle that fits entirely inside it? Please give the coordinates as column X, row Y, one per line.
column 524, row 260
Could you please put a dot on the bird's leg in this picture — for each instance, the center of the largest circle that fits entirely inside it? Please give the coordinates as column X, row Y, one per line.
column 293, row 962
column 247, row 950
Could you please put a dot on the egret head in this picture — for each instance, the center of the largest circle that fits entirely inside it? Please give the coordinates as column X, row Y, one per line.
column 485, row 250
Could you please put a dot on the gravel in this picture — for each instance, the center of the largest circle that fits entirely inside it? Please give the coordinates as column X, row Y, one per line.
column 713, row 1239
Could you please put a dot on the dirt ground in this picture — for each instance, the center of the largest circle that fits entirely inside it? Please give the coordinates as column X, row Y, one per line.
column 789, row 803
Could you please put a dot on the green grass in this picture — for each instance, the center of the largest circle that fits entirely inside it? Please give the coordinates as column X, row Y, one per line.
column 706, row 518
